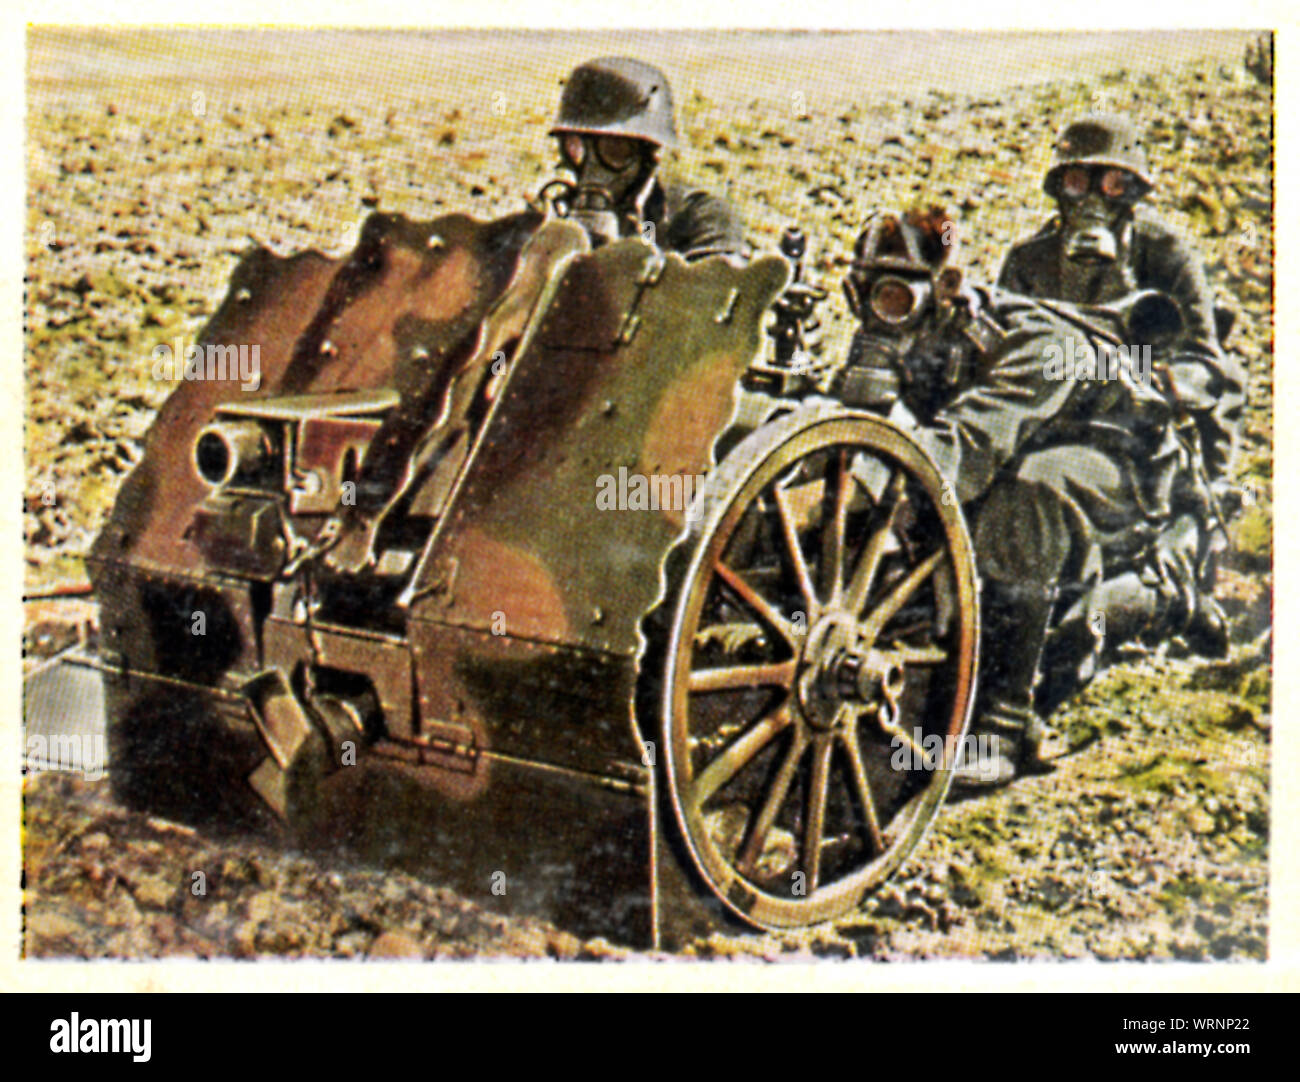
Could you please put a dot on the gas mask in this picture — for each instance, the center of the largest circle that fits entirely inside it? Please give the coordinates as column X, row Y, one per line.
column 612, row 177
column 910, row 325
column 1096, row 204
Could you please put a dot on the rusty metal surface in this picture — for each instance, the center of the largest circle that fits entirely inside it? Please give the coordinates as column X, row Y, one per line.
column 450, row 416
column 397, row 313
column 239, row 536
column 148, row 624
column 384, row 660
column 564, row 707
column 279, row 716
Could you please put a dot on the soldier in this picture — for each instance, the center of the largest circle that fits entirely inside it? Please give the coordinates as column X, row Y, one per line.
column 1063, row 480
column 1101, row 246
column 615, row 119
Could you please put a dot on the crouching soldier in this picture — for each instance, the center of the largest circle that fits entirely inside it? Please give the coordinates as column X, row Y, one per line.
column 1064, row 481
column 1102, row 245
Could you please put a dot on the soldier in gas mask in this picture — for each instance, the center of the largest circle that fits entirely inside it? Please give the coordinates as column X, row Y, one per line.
column 615, row 120
column 1102, row 245
column 1064, row 481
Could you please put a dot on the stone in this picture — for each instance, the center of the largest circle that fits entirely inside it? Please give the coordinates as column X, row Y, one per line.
column 47, row 924
column 154, row 891
column 395, row 945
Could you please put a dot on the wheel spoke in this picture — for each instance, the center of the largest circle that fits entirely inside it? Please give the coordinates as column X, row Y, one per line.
column 756, row 601
column 729, row 763
column 816, row 817
column 859, row 771
column 892, row 728
column 832, row 563
column 776, row 795
column 874, row 550
column 884, row 612
column 736, row 677
column 730, row 636
column 791, row 531
column 916, row 655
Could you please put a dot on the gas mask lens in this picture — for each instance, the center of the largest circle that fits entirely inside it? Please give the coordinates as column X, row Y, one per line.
column 616, row 152
column 897, row 301
column 1075, row 182
column 1118, row 185
column 573, row 148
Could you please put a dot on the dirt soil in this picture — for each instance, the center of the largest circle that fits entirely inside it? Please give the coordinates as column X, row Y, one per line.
column 155, row 159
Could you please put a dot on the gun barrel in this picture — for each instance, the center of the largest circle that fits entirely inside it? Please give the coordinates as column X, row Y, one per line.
column 1152, row 317
column 225, row 450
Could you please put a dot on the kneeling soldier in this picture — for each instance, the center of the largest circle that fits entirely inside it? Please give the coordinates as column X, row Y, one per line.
column 1063, row 480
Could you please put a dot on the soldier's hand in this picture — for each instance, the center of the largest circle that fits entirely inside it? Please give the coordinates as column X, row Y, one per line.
column 1175, row 558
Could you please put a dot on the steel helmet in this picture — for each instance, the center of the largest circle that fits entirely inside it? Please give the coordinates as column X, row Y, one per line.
column 618, row 96
column 897, row 260
column 1099, row 140
column 917, row 240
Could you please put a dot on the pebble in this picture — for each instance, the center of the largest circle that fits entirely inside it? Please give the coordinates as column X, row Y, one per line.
column 155, row 891
column 50, row 924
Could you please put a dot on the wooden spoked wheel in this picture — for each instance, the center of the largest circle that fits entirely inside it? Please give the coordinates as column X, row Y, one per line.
column 819, row 665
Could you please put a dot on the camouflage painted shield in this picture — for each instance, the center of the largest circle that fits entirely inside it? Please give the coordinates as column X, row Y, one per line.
column 596, row 447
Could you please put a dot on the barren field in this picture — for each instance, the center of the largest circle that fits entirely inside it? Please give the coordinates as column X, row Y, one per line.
column 154, row 160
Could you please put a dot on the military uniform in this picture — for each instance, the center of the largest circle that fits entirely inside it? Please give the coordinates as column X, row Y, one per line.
column 1103, row 245
column 1209, row 383
column 694, row 223
column 1066, row 479
column 1100, row 247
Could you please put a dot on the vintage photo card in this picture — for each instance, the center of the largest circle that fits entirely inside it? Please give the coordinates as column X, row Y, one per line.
column 681, row 494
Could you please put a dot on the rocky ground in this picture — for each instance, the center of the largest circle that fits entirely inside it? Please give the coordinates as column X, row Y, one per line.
column 1150, row 841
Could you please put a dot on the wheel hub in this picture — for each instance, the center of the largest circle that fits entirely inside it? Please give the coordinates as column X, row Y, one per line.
column 838, row 669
